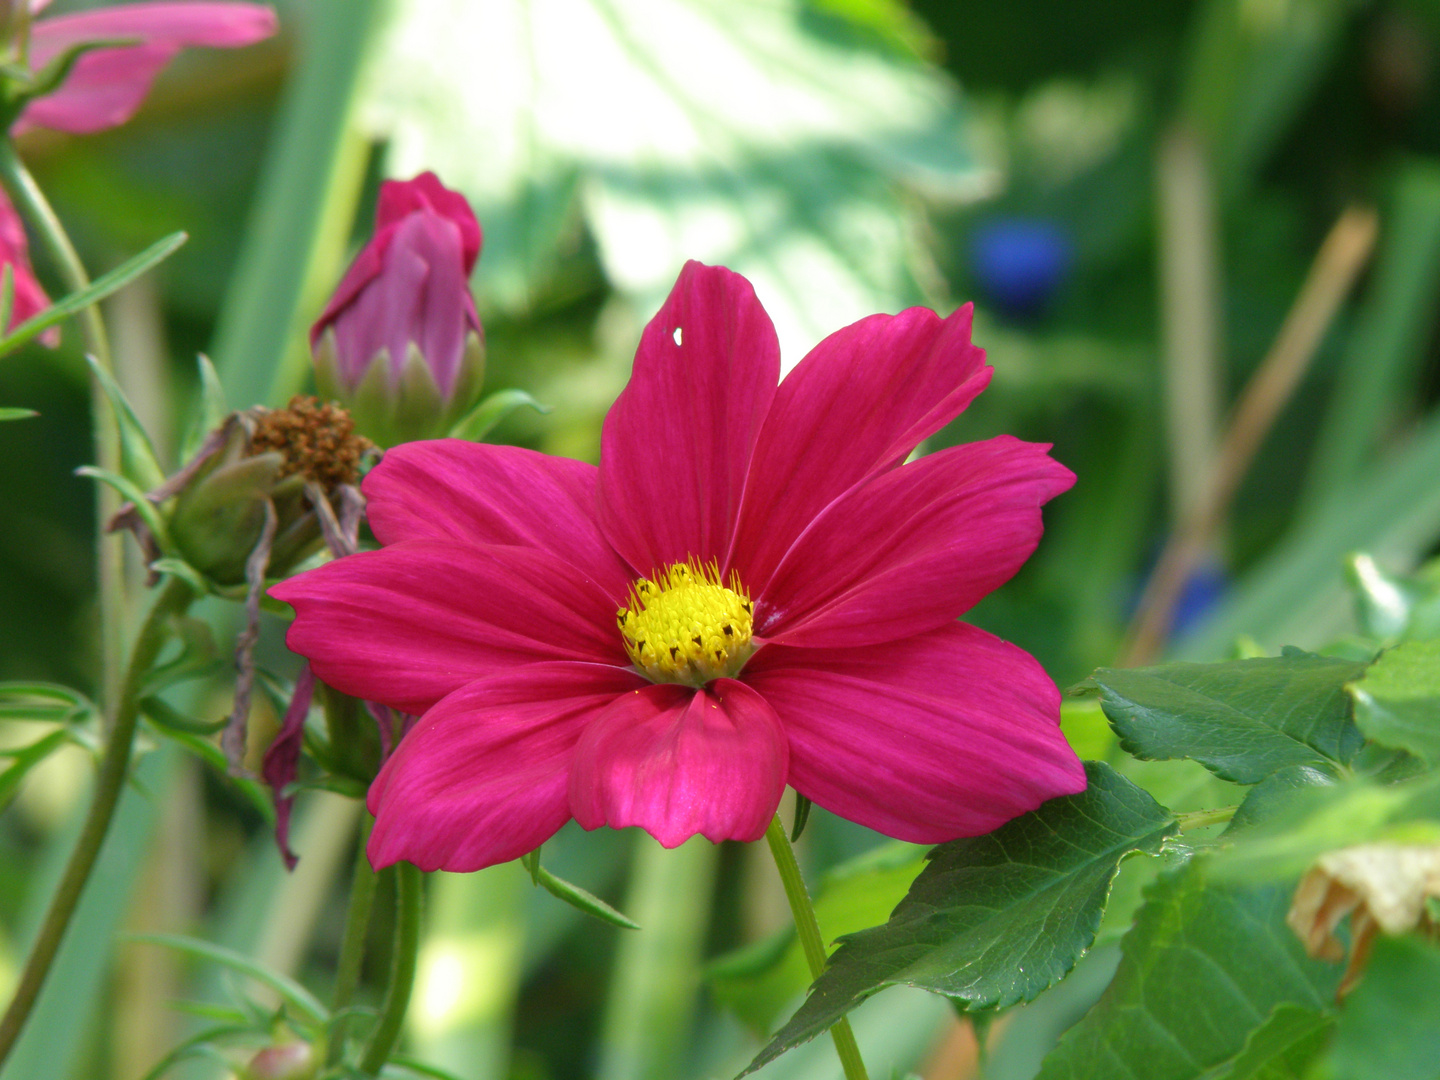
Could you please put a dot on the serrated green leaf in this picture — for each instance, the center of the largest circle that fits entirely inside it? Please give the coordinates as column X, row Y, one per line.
column 16, row 414
column 1281, row 1048
column 1203, row 966
column 1387, row 1028
column 1242, row 719
column 996, row 919
column 577, row 897
column 306, row 1004
column 478, row 423
column 100, row 288
column 1276, row 792
column 1397, row 702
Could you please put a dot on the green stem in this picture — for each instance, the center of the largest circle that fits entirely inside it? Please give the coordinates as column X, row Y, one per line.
column 114, row 767
column 810, row 940
column 402, row 970
column 352, row 942
column 1199, row 819
column 110, row 555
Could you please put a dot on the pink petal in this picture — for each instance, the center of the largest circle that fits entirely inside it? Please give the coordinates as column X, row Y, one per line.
column 947, row 734
column 482, row 778
column 451, row 489
column 680, row 762
column 913, row 548
column 856, row 405
column 282, row 760
column 419, row 619
column 426, row 194
column 677, row 443
column 106, row 86
column 29, row 297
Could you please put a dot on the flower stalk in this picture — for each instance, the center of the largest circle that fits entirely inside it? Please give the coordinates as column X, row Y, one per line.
column 811, row 942
column 174, row 598
column 408, row 888
column 352, row 942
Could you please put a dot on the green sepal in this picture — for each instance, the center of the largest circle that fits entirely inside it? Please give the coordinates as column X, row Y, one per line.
column 143, row 506
column 419, row 408
column 482, row 419
column 297, row 535
column 211, row 408
column 802, row 815
column 328, row 383
column 469, row 380
column 138, row 460
column 218, row 519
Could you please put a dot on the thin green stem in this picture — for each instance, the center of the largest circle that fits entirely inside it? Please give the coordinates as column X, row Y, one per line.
column 408, row 886
column 110, row 555
column 114, row 766
column 810, row 940
column 352, row 942
column 1199, row 819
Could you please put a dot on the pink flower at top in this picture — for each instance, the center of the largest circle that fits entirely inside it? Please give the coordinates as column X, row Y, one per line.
column 751, row 590
column 30, row 298
column 107, row 85
column 400, row 343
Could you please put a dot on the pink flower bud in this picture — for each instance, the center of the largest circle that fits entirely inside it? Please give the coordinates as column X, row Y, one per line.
column 29, row 297
column 400, row 343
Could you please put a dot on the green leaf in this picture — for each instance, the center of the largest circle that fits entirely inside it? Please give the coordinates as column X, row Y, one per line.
column 1397, row 702
column 296, row 996
column 1202, row 967
column 257, row 795
column 995, row 919
column 26, row 759
column 163, row 715
column 210, row 411
column 1323, row 818
column 100, row 288
column 138, row 461
column 133, row 495
column 1387, row 1028
column 1279, row 1049
column 16, row 414
column 577, row 897
column 1275, row 793
column 1242, row 719
column 802, row 815
column 1394, row 605
column 480, row 420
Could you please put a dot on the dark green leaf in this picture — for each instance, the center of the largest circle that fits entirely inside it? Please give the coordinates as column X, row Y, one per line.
column 477, row 423
column 1397, row 703
column 1242, row 719
column 994, row 919
column 1280, row 1048
column 1203, row 966
column 1387, row 1028
column 1276, row 792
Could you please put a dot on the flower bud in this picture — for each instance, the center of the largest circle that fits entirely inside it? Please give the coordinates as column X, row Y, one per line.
column 400, row 343
column 28, row 298
column 264, row 456
column 283, row 1061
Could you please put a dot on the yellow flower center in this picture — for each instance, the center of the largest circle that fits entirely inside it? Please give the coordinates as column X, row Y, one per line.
column 686, row 626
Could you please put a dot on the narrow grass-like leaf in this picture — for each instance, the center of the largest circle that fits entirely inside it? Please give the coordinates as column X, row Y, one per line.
column 26, row 759
column 295, row 995
column 1203, row 966
column 1241, row 719
column 996, row 919
column 579, row 898
column 212, row 755
column 100, row 288
column 16, row 414
column 192, row 1047
column 1397, row 703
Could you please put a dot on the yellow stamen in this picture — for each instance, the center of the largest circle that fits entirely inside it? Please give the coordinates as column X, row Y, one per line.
column 685, row 626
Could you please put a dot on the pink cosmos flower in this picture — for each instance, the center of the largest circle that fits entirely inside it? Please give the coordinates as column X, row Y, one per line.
column 106, row 86
column 751, row 590
column 400, row 343
column 30, row 298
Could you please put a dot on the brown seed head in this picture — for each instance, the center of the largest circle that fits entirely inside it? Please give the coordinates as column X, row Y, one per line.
column 315, row 438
